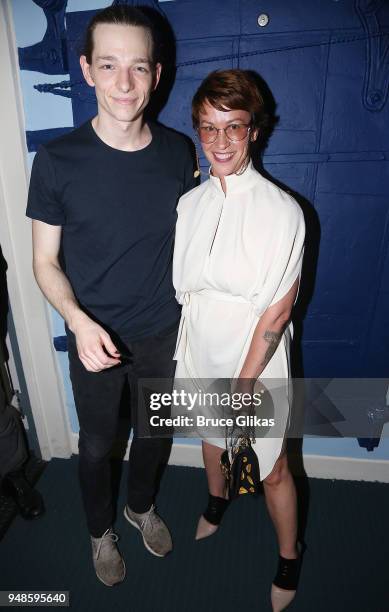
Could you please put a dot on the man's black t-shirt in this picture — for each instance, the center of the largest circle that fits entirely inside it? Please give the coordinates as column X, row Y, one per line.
column 117, row 210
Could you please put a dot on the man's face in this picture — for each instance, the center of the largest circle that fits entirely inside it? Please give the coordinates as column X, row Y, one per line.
column 121, row 71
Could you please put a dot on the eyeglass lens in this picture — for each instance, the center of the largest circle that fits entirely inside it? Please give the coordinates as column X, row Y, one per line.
column 234, row 132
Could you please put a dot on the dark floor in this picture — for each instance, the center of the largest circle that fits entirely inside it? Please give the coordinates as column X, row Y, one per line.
column 346, row 566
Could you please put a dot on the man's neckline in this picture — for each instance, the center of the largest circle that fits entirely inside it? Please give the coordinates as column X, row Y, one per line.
column 121, row 151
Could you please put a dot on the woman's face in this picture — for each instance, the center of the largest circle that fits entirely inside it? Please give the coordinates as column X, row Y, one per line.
column 226, row 157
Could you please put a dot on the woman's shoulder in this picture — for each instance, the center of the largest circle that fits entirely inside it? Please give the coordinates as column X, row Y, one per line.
column 279, row 199
column 191, row 198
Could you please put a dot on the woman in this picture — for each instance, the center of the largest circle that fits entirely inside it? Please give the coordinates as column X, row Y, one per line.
column 237, row 263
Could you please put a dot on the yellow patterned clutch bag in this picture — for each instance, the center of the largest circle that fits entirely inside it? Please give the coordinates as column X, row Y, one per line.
column 242, row 470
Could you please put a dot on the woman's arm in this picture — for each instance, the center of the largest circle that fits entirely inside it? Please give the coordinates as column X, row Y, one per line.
column 267, row 335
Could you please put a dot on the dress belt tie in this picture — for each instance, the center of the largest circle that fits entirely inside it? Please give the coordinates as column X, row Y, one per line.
column 182, row 338
column 214, row 295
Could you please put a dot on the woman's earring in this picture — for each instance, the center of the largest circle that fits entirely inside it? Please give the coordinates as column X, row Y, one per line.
column 196, row 173
column 254, row 136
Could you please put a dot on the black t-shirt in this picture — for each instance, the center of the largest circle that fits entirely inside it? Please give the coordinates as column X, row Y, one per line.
column 117, row 210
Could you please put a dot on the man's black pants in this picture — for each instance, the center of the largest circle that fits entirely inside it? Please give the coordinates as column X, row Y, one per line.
column 97, row 396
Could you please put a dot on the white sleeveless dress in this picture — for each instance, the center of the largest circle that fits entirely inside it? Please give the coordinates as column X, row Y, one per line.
column 235, row 255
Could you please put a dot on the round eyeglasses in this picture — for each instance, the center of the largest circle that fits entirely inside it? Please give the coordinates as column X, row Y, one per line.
column 234, row 132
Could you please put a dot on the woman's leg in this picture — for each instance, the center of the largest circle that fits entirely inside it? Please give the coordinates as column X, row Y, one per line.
column 281, row 502
column 216, row 480
column 217, row 502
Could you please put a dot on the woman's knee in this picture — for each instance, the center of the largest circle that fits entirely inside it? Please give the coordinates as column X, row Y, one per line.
column 279, row 473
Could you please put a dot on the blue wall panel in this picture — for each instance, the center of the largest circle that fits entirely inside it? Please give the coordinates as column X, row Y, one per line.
column 325, row 64
column 298, row 98
column 322, row 63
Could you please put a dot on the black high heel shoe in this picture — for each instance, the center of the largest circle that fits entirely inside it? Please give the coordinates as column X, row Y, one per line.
column 286, row 580
column 210, row 520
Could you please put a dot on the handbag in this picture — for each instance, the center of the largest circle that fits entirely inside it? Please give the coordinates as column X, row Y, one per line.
column 239, row 462
column 240, row 468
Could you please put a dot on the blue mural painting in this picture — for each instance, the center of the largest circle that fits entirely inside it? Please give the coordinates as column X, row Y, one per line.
column 325, row 66
column 49, row 55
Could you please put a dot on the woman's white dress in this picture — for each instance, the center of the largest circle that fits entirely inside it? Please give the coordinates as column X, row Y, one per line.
column 235, row 255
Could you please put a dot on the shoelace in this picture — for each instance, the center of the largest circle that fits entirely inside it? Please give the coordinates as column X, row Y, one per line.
column 107, row 535
column 148, row 519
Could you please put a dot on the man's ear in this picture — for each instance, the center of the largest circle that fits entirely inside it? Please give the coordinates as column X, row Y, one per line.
column 157, row 75
column 254, row 135
column 85, row 67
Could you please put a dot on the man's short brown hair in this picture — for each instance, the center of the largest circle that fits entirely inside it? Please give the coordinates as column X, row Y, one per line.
column 121, row 14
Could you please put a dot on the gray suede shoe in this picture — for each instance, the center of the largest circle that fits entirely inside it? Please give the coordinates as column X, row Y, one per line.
column 156, row 536
column 107, row 560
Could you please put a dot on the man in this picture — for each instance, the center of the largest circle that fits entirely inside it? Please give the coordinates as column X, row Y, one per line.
column 108, row 191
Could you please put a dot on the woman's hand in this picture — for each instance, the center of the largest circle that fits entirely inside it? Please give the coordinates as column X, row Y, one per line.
column 243, row 385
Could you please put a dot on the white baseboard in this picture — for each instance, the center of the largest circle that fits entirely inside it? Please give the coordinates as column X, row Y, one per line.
column 346, row 468
column 315, row 466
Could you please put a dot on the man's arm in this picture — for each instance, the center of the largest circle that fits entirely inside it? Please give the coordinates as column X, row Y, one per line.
column 93, row 342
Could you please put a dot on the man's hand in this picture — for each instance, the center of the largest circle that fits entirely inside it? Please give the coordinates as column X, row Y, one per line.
column 95, row 347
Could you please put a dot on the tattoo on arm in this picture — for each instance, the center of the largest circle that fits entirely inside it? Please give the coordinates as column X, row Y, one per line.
column 272, row 338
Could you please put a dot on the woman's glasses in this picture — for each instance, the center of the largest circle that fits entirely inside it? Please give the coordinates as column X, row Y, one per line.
column 234, row 132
